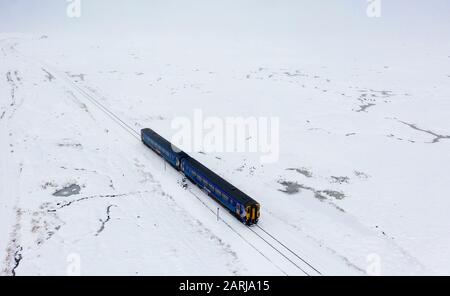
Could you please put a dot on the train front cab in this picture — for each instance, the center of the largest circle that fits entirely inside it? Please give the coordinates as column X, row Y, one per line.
column 253, row 213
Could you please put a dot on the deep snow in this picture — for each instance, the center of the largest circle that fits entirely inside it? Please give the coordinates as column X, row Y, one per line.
column 364, row 145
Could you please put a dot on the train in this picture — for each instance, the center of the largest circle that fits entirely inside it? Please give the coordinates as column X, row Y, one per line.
column 239, row 204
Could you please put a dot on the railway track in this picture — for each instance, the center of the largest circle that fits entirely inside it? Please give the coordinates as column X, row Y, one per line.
column 262, row 241
column 287, row 253
column 276, row 252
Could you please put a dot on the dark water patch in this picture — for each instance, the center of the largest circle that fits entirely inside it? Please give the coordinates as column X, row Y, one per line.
column 17, row 258
column 336, row 194
column 361, row 175
column 290, row 187
column 16, row 73
column 370, row 98
column 304, row 171
column 9, row 78
column 384, row 93
column 60, row 205
column 80, row 77
column 340, row 179
column 437, row 137
column 363, row 108
column 48, row 75
column 106, row 220
column 322, row 195
column 292, row 74
column 73, row 189
column 49, row 184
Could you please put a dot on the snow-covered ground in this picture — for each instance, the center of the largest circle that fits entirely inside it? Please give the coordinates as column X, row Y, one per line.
column 361, row 184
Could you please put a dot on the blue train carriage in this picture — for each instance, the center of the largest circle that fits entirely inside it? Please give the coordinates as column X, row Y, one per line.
column 164, row 148
column 246, row 209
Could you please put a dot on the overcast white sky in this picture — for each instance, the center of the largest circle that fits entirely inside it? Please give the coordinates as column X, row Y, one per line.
column 295, row 24
column 246, row 15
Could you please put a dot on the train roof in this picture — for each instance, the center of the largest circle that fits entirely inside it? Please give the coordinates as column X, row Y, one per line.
column 163, row 142
column 224, row 185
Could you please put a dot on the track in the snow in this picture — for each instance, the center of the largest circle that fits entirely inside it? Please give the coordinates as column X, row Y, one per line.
column 273, row 241
column 285, row 253
column 272, row 244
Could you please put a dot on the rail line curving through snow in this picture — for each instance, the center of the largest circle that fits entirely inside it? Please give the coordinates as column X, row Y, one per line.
column 261, row 236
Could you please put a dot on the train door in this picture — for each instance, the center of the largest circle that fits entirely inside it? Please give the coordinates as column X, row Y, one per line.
column 241, row 212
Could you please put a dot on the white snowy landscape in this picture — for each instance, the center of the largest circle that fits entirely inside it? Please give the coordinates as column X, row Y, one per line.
column 361, row 185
